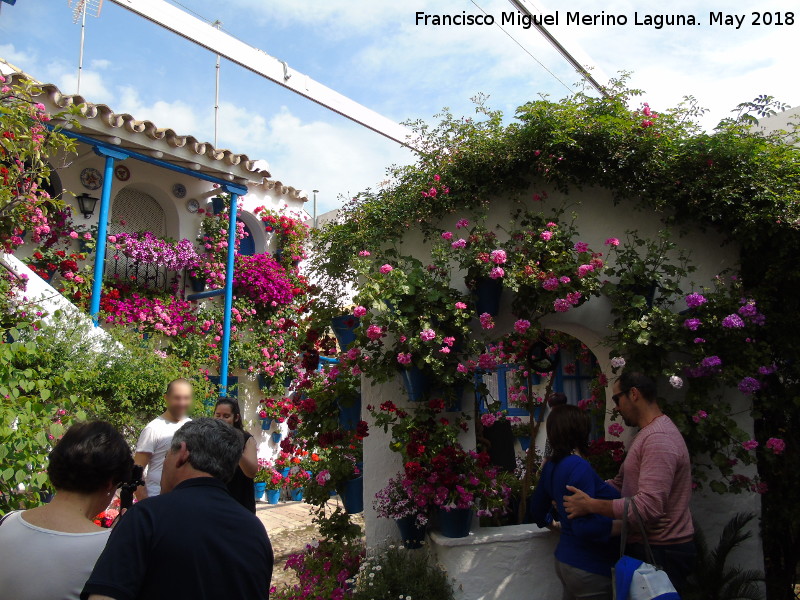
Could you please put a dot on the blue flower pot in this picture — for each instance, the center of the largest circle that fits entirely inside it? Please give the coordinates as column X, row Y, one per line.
column 524, row 442
column 266, row 424
column 217, row 204
column 277, row 436
column 487, row 295
column 416, row 382
column 452, row 397
column 296, row 494
column 344, row 328
column 353, row 496
column 273, row 496
column 349, row 416
column 198, row 284
column 455, row 523
column 259, row 488
column 285, row 472
column 412, row 534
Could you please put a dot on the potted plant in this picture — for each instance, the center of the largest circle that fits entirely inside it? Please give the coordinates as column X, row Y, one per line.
column 397, row 500
column 273, row 482
column 296, row 483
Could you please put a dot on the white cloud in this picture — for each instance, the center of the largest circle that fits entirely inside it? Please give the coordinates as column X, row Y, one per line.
column 100, row 63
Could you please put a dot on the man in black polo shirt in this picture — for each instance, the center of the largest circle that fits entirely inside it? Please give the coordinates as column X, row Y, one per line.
column 195, row 542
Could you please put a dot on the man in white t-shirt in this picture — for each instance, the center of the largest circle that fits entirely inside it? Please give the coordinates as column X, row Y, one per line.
column 156, row 437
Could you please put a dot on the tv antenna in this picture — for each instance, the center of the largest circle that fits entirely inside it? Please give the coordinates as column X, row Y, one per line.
column 80, row 8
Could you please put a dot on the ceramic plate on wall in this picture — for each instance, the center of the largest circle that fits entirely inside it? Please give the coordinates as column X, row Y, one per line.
column 91, row 178
column 179, row 190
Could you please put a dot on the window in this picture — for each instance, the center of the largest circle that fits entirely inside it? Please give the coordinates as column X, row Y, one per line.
column 134, row 211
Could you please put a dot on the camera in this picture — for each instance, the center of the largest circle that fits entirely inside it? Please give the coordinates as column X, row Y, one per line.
column 129, row 487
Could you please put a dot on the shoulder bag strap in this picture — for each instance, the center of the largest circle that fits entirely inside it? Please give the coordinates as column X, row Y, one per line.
column 647, row 550
column 623, row 537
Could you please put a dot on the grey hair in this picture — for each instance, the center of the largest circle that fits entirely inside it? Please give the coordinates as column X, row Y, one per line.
column 214, row 446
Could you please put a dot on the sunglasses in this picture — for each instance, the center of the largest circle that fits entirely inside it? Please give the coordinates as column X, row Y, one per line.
column 616, row 397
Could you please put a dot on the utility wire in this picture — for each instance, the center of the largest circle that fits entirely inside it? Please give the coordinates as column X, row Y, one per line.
column 528, row 52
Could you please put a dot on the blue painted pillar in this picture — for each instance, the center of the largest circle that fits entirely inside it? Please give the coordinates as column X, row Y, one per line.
column 110, row 154
column 226, row 326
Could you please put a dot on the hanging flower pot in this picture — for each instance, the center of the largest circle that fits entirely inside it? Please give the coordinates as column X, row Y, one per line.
column 266, row 424
column 296, row 494
column 524, row 442
column 487, row 295
column 353, row 495
column 198, row 284
column 344, row 328
column 259, row 488
column 455, row 523
column 412, row 534
column 349, row 416
column 277, row 436
column 273, row 496
column 416, row 382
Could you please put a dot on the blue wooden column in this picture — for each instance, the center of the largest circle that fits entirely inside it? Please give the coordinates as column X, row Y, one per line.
column 226, row 325
column 110, row 155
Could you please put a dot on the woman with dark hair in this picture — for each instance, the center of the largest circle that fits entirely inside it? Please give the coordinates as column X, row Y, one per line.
column 585, row 552
column 85, row 468
column 241, row 486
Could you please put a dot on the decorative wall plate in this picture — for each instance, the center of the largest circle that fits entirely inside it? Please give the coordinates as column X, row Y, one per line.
column 122, row 172
column 192, row 205
column 91, row 178
column 179, row 190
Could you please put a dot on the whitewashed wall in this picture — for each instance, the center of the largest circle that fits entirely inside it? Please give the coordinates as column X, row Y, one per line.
column 598, row 219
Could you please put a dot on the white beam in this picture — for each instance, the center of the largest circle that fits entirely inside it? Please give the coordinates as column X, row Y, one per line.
column 193, row 29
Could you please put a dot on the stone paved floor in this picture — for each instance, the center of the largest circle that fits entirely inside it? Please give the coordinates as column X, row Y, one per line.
column 290, row 528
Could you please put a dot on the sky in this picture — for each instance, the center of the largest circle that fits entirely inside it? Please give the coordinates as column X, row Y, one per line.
column 374, row 52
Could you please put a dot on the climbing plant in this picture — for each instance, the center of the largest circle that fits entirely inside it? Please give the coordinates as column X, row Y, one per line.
column 734, row 179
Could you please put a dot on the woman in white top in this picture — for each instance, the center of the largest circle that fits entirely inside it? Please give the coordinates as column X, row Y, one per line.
column 48, row 552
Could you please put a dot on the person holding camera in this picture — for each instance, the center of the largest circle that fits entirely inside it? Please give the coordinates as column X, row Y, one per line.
column 193, row 541
column 85, row 468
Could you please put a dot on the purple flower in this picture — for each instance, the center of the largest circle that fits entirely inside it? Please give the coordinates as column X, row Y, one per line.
column 777, row 445
column 616, row 429
column 562, row 305
column 695, row 300
column 748, row 310
column 498, row 257
column 546, row 235
column 699, row 340
column 711, row 362
column 447, row 235
column 733, row 321
column 522, row 325
column 750, row 445
column 427, row 335
column 386, row 269
column 767, row 370
column 462, row 223
column 486, row 321
column 581, row 247
column 692, row 324
column 404, row 358
column 497, row 272
column 459, row 243
column 584, row 270
column 359, row 311
column 550, row 284
column 749, row 385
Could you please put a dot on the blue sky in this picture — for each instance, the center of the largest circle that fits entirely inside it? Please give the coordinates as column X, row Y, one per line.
column 372, row 51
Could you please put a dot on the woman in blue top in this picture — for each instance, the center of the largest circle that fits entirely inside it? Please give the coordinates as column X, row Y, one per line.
column 586, row 552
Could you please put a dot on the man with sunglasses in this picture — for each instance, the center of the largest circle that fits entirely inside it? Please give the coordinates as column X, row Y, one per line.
column 656, row 476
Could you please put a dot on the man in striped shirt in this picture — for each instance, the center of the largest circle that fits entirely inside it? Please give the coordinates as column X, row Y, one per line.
column 656, row 476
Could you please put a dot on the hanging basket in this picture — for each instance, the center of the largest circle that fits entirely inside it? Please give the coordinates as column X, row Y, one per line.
column 266, row 424
column 353, row 496
column 487, row 295
column 198, row 284
column 349, row 416
column 277, row 436
column 416, row 382
column 344, row 328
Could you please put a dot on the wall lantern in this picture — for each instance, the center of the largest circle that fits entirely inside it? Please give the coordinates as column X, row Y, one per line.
column 86, row 204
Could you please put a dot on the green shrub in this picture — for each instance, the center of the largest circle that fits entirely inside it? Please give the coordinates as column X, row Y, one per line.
column 394, row 572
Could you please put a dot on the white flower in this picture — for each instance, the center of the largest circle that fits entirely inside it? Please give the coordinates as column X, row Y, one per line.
column 617, row 362
column 378, row 567
column 676, row 382
column 372, row 575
